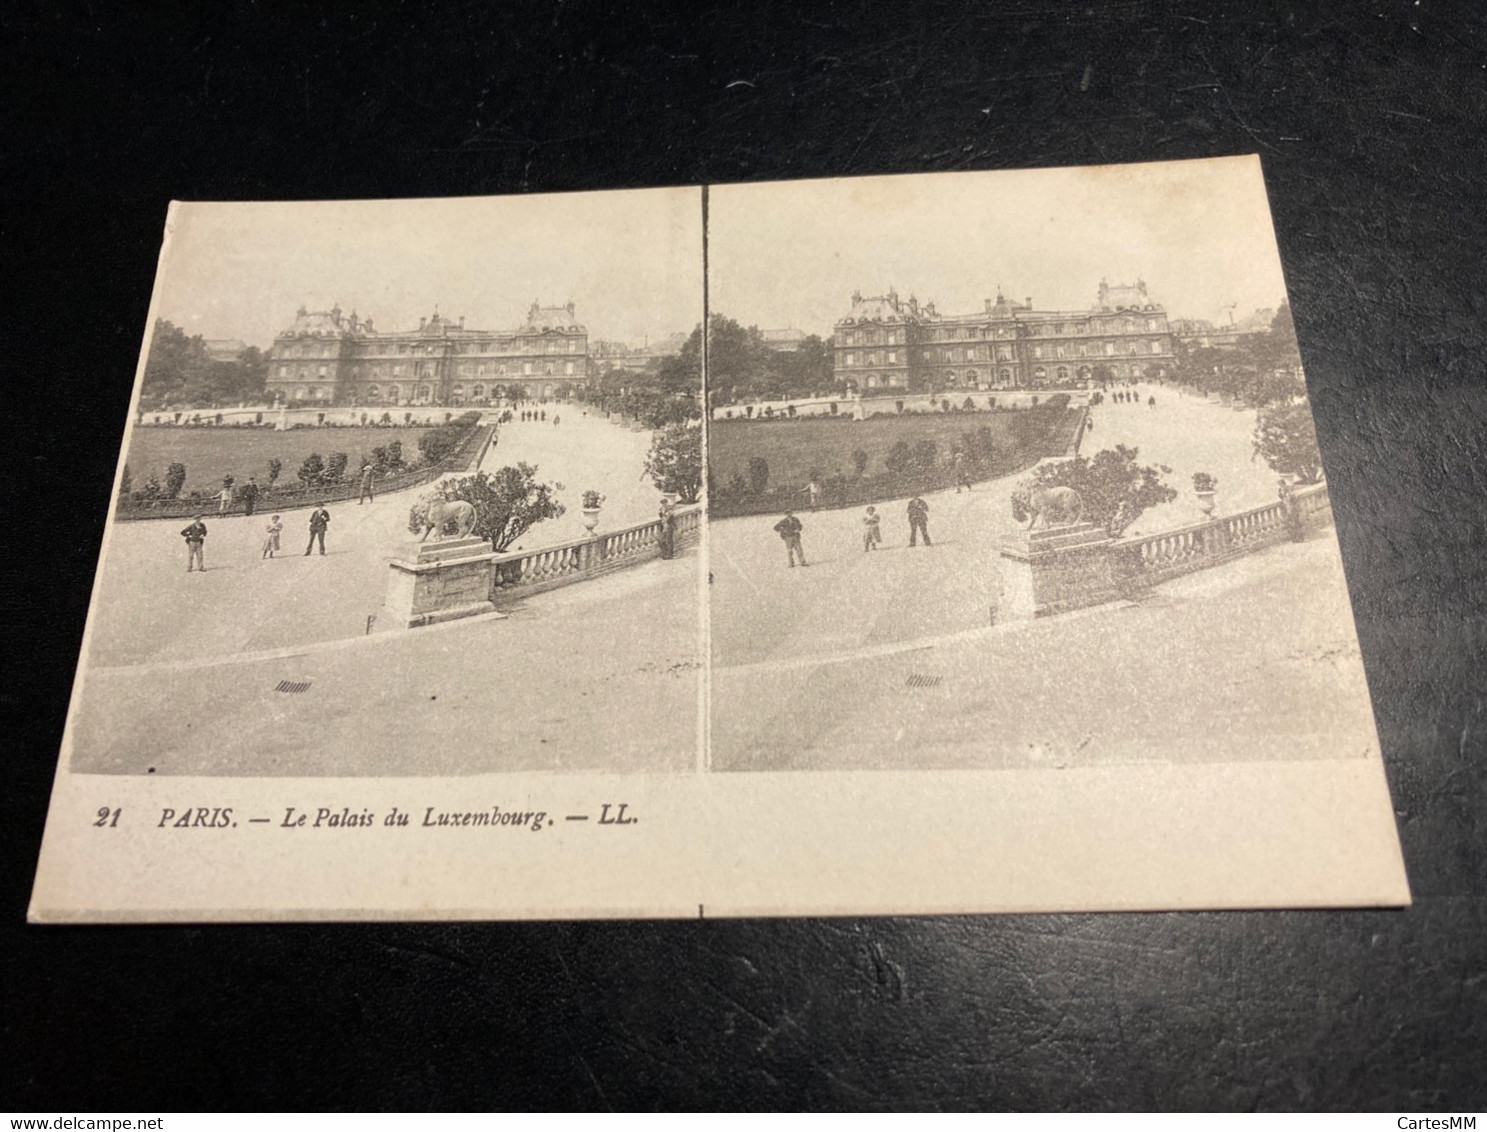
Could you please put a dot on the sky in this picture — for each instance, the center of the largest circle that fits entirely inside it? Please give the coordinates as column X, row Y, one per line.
column 630, row 261
column 1198, row 232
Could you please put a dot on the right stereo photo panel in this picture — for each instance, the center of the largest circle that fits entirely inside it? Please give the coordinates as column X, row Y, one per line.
column 1024, row 586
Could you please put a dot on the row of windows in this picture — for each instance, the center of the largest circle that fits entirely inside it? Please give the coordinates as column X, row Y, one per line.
column 527, row 369
column 508, row 346
column 393, row 394
column 1004, row 353
column 1126, row 325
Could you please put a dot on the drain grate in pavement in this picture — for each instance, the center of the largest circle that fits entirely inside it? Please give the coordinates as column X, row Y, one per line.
column 919, row 680
column 293, row 686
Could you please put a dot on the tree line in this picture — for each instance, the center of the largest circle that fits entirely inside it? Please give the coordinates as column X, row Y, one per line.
column 180, row 370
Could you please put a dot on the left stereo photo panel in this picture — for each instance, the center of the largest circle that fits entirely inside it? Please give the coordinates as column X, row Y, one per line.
column 408, row 488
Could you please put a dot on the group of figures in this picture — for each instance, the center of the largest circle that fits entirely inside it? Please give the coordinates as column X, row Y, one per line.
column 791, row 530
column 196, row 538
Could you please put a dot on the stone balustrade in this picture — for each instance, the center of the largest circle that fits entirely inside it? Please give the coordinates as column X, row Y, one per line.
column 523, row 572
column 1146, row 560
column 1059, row 569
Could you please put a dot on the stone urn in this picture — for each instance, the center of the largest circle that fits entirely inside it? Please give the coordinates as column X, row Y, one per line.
column 592, row 501
column 1203, row 487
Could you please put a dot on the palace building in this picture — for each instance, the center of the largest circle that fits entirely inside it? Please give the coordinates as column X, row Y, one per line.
column 887, row 343
column 332, row 358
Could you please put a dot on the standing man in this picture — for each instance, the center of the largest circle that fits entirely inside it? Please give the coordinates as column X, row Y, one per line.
column 366, row 485
column 319, row 520
column 196, row 537
column 250, row 495
column 918, row 521
column 789, row 529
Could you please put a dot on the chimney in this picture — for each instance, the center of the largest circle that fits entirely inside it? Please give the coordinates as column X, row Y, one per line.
column 1029, row 302
column 462, row 322
column 422, row 322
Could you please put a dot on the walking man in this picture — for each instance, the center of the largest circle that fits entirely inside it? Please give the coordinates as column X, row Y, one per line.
column 789, row 529
column 196, row 537
column 366, row 485
column 319, row 520
column 250, row 495
column 918, row 521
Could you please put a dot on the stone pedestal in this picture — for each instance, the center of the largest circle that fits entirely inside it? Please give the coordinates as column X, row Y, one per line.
column 429, row 582
column 1055, row 570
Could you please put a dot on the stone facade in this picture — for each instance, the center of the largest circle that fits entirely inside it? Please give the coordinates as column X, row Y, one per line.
column 334, row 358
column 888, row 343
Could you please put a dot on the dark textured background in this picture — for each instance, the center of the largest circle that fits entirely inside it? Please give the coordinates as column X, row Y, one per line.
column 1369, row 117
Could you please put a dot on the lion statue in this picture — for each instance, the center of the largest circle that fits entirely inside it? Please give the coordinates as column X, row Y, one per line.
column 438, row 513
column 1047, row 506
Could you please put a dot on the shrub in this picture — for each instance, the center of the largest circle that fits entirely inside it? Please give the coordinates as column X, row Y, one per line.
column 335, row 468
column 900, row 458
column 275, row 469
column 758, row 474
column 175, row 479
column 1114, row 488
column 1203, row 481
column 312, row 470
column 126, row 482
column 674, row 462
column 924, row 454
column 1286, row 435
column 859, row 461
column 507, row 503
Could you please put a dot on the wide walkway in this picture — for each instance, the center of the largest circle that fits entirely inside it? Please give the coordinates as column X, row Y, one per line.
column 762, row 609
column 603, row 676
column 892, row 659
column 148, row 609
column 1253, row 660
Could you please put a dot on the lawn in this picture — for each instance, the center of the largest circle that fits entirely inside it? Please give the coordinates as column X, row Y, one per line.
column 211, row 453
column 796, row 448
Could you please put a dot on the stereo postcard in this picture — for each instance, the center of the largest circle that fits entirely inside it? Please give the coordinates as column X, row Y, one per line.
column 947, row 543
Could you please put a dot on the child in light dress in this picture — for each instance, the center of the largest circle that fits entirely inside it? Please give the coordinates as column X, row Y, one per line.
column 271, row 537
column 872, row 532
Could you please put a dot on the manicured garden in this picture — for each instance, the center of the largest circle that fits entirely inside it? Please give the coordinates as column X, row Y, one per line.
column 209, row 454
column 767, row 465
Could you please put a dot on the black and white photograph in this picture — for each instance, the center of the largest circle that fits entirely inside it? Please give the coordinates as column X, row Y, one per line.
column 392, row 468
column 1017, row 470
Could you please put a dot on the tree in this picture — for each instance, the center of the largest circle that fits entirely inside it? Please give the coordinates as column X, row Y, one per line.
column 859, row 462
column 335, row 468
column 175, row 479
column 674, row 462
column 758, row 474
column 1286, row 435
column 507, row 503
column 1114, row 488
column 275, row 470
column 924, row 454
column 311, row 471
column 900, row 458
